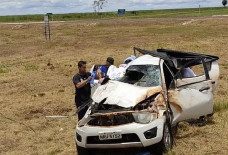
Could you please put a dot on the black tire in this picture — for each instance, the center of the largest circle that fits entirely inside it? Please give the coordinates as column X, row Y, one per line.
column 167, row 140
column 175, row 129
column 82, row 151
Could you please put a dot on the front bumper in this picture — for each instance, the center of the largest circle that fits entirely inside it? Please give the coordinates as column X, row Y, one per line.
column 128, row 129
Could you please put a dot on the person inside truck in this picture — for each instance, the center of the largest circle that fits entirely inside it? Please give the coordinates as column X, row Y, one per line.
column 187, row 72
column 102, row 71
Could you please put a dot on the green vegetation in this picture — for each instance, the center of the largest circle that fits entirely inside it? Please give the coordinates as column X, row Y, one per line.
column 225, row 65
column 31, row 67
column 54, row 152
column 193, row 12
column 221, row 106
column 4, row 69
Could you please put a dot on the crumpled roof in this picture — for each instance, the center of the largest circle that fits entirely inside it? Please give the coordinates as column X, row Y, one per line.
column 178, row 59
column 117, row 93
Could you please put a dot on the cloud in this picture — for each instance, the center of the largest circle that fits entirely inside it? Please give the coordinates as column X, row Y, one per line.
column 12, row 7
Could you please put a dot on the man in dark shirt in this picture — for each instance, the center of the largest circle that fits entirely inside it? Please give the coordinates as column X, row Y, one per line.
column 83, row 88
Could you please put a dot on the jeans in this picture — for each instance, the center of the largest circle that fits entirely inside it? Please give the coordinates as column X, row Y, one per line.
column 82, row 112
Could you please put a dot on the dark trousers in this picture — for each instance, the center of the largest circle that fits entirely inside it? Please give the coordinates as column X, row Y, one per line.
column 81, row 113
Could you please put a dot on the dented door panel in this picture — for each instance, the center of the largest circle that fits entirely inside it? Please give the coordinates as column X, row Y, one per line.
column 214, row 74
column 191, row 101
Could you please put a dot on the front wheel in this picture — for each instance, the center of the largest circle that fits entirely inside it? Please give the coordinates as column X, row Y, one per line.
column 167, row 140
column 82, row 151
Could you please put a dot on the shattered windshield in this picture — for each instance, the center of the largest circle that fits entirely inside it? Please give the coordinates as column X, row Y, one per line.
column 142, row 75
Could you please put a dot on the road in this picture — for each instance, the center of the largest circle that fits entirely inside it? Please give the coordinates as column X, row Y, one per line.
column 120, row 20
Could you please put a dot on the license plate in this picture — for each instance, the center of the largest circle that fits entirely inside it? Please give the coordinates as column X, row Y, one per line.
column 110, row 135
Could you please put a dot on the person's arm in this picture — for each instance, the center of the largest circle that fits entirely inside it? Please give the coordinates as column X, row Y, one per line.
column 83, row 83
column 99, row 74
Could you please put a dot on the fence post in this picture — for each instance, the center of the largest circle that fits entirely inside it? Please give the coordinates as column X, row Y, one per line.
column 47, row 27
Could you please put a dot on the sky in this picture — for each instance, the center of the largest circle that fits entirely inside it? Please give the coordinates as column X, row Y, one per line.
column 22, row 7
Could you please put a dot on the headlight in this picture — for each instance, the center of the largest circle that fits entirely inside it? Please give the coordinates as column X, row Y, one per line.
column 143, row 117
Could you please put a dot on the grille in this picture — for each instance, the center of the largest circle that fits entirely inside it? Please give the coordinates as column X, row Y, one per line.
column 126, row 138
column 112, row 120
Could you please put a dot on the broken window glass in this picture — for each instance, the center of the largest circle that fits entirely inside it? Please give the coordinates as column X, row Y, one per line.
column 142, row 75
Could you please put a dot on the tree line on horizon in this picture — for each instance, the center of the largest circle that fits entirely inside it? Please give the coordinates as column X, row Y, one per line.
column 98, row 4
column 224, row 2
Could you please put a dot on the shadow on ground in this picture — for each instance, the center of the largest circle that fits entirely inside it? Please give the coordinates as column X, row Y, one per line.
column 129, row 151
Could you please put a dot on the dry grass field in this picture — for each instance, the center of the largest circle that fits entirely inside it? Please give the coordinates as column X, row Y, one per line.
column 36, row 78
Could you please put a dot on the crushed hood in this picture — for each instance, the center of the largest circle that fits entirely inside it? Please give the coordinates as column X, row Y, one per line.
column 123, row 94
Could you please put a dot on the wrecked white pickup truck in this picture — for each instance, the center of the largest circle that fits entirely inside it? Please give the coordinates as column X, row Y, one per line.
column 158, row 90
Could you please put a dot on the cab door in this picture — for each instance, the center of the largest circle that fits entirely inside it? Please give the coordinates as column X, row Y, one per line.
column 193, row 96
